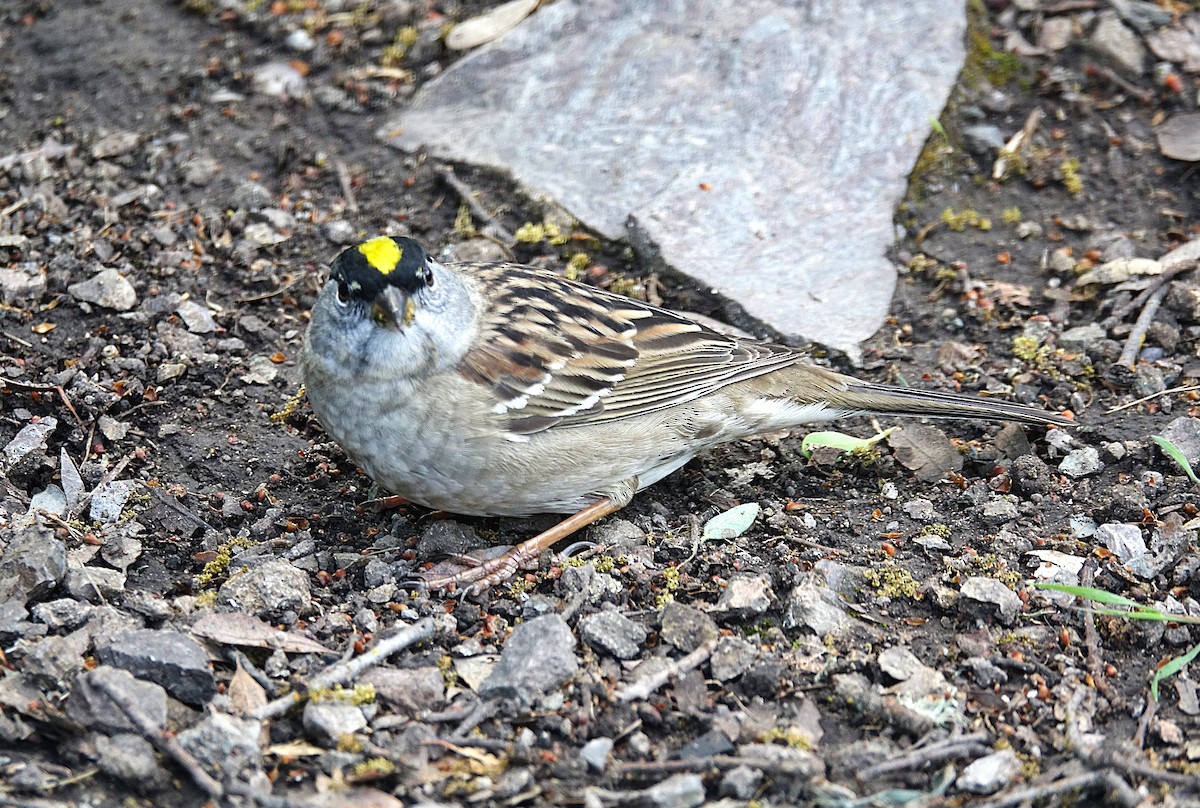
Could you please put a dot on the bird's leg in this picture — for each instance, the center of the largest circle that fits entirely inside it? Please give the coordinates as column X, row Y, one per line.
column 499, row 569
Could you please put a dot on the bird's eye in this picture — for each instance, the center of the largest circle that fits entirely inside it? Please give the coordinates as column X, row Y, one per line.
column 343, row 292
column 428, row 277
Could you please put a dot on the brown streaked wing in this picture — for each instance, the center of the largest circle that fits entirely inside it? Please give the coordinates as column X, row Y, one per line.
column 555, row 352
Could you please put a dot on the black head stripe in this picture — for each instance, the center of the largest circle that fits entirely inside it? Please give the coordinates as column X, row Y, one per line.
column 385, row 261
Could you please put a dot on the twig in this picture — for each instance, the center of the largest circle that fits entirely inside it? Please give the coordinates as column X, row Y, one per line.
column 168, row 746
column 268, row 295
column 1169, row 273
column 343, row 175
column 108, row 477
column 1144, row 96
column 644, row 687
column 1139, row 737
column 1134, row 765
column 973, row 745
column 166, row 499
column 44, row 388
column 1134, row 341
column 477, row 210
column 1185, row 389
column 344, row 671
column 643, row 767
column 1091, row 639
column 1081, row 782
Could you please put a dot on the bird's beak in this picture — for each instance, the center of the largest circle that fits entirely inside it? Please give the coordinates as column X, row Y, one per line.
column 393, row 308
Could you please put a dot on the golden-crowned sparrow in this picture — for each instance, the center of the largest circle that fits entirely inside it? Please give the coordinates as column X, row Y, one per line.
column 500, row 389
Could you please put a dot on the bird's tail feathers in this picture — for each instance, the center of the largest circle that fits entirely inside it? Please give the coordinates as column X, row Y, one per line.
column 884, row 399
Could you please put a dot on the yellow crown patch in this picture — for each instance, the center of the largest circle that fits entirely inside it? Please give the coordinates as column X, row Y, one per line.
column 383, row 253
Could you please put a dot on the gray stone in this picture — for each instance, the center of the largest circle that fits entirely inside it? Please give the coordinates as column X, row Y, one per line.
column 1081, row 462
column 999, row 509
column 55, row 661
column 989, row 597
column 170, row 659
column 33, row 564
column 1082, row 337
column 1125, row 540
column 698, row 137
column 1184, row 434
column 740, row 783
column 131, row 759
column 595, row 753
column 64, row 614
column 613, row 632
column 89, row 703
column 330, row 722
column 22, row 284
column 28, row 446
column 95, row 584
column 224, row 743
column 732, row 657
column 983, row 138
column 412, row 691
column 197, row 318
column 269, row 590
column 1179, row 137
column 990, row 773
column 1119, row 45
column 920, row 509
column 817, row 607
column 677, row 791
column 107, row 288
column 745, row 596
column 686, row 627
column 538, row 657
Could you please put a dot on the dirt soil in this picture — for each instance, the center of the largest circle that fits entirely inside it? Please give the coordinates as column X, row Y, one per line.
column 876, row 629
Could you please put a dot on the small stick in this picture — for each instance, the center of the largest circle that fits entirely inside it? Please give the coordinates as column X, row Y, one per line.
column 644, row 687
column 974, row 745
column 1134, row 341
column 343, row 175
column 1091, row 639
column 1188, row 388
column 1168, row 274
column 44, row 388
column 477, row 210
column 1081, row 782
column 168, row 746
column 344, row 671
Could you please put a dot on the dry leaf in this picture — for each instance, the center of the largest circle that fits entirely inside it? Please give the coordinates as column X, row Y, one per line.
column 239, row 628
column 926, row 451
column 495, row 23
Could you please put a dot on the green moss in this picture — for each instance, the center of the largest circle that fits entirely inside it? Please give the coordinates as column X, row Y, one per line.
column 921, row 262
column 791, row 737
column 936, row 529
column 959, row 222
column 1011, row 215
column 576, row 265
column 532, row 233
column 220, row 565
column 373, row 768
column 358, row 695
column 464, row 225
column 1071, row 179
column 890, row 581
column 670, row 586
column 1028, row 349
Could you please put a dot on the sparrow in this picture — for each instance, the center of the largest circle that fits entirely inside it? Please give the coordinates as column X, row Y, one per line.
column 497, row 389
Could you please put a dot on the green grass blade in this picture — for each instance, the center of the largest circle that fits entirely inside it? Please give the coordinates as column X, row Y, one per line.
column 1172, row 451
column 1092, row 594
column 1171, row 668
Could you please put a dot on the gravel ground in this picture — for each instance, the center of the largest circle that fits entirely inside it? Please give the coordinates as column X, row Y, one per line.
column 183, row 548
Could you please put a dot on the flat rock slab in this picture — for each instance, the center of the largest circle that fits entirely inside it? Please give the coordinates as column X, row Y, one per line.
column 763, row 145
